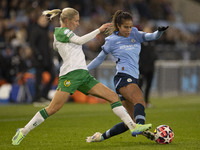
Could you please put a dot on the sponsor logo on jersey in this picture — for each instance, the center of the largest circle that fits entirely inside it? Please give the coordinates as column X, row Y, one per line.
column 67, row 83
column 128, row 47
column 129, row 80
column 66, row 31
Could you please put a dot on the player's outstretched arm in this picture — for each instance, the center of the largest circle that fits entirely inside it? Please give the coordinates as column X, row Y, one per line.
column 155, row 35
column 85, row 38
column 97, row 61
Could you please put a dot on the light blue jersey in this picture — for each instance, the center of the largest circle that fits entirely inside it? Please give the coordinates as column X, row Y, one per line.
column 125, row 50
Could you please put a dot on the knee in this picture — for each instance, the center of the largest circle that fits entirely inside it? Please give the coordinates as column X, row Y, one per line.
column 51, row 110
column 114, row 98
column 142, row 102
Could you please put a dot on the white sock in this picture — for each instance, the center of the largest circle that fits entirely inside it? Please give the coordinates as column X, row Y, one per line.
column 34, row 122
column 121, row 112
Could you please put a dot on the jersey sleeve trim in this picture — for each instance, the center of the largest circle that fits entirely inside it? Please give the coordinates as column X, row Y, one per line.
column 63, row 34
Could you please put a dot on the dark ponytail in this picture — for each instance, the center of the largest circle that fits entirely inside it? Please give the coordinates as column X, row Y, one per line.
column 118, row 19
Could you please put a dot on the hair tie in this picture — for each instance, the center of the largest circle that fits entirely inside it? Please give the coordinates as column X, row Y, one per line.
column 121, row 12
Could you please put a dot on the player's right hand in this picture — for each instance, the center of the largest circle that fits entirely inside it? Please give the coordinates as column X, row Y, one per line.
column 163, row 28
column 105, row 26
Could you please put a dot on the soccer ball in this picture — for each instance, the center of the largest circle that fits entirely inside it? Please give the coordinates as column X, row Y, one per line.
column 163, row 134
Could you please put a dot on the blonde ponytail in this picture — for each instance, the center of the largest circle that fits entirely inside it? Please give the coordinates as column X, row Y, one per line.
column 51, row 13
column 68, row 13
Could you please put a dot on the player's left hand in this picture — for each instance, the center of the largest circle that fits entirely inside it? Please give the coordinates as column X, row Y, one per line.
column 163, row 28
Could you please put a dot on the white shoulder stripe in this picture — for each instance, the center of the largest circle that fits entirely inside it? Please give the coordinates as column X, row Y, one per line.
column 69, row 34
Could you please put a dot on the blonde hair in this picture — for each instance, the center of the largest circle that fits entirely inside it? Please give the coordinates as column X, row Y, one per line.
column 66, row 13
column 118, row 19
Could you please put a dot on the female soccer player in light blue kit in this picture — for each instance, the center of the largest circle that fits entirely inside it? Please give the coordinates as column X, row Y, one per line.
column 124, row 44
column 74, row 74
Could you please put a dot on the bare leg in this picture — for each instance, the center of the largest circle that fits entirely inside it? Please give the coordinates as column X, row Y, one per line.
column 104, row 92
column 57, row 102
column 133, row 94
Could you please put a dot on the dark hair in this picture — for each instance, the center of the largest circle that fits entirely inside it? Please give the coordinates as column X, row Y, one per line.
column 118, row 19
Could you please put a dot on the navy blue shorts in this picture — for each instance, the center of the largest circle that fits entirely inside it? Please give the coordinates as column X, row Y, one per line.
column 121, row 80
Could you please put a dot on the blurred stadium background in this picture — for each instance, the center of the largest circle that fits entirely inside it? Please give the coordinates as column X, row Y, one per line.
column 178, row 55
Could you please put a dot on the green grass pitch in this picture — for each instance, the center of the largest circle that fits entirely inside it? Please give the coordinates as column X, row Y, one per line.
column 68, row 128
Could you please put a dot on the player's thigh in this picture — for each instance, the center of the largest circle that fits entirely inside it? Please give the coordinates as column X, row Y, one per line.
column 57, row 102
column 132, row 93
column 104, row 92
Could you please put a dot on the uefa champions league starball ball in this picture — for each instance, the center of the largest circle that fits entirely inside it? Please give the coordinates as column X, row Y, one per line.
column 163, row 134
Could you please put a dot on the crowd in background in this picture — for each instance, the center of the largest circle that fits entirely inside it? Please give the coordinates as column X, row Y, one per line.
column 17, row 17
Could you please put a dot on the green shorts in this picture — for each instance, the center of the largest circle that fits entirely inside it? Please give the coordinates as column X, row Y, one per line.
column 77, row 80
